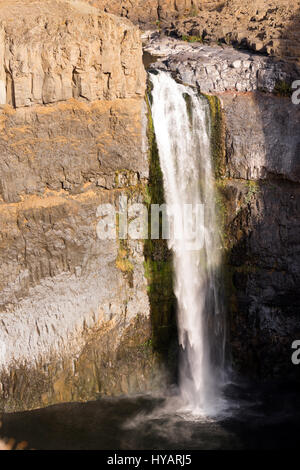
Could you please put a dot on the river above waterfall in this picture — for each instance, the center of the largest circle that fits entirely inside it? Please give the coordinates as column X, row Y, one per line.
column 265, row 417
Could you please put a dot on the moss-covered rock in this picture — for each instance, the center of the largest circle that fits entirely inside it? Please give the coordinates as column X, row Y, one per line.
column 217, row 135
column 159, row 266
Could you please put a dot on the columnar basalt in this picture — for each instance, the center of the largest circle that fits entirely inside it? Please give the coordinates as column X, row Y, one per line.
column 150, row 12
column 75, row 311
column 73, row 322
column 268, row 27
column 58, row 50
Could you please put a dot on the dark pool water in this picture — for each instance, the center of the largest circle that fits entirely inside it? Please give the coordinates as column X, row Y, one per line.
column 265, row 417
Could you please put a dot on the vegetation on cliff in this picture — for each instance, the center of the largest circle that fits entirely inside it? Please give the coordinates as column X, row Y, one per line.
column 158, row 263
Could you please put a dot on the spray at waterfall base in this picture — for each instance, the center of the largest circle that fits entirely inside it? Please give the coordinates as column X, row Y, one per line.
column 184, row 228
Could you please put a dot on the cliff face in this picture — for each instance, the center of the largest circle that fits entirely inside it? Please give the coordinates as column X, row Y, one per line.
column 257, row 168
column 149, row 12
column 270, row 27
column 75, row 315
column 60, row 50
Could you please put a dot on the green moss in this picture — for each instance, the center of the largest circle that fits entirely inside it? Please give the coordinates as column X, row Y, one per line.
column 217, row 135
column 155, row 191
column 282, row 88
column 193, row 11
column 158, row 260
column 253, row 189
column 123, row 262
column 192, row 38
column 222, row 211
column 158, row 24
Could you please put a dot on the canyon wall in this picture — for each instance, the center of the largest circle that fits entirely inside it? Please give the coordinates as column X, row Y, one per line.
column 75, row 314
column 149, row 12
column 256, row 144
column 82, row 316
column 269, row 27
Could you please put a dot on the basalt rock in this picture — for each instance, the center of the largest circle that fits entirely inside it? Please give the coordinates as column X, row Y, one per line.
column 55, row 51
column 263, row 274
column 268, row 27
column 149, row 12
column 259, row 194
column 262, row 127
column 74, row 309
column 71, row 145
column 216, row 69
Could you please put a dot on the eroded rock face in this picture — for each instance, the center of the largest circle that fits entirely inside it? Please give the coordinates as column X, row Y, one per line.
column 67, row 49
column 262, row 129
column 149, row 12
column 270, row 27
column 261, row 201
column 263, row 274
column 74, row 320
column 262, row 137
column 70, row 145
column 74, row 309
column 258, row 182
column 218, row 69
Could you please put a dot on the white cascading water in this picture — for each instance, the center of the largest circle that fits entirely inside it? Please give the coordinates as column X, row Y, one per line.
column 182, row 127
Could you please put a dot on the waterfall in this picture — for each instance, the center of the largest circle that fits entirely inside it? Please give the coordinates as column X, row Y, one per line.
column 182, row 127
